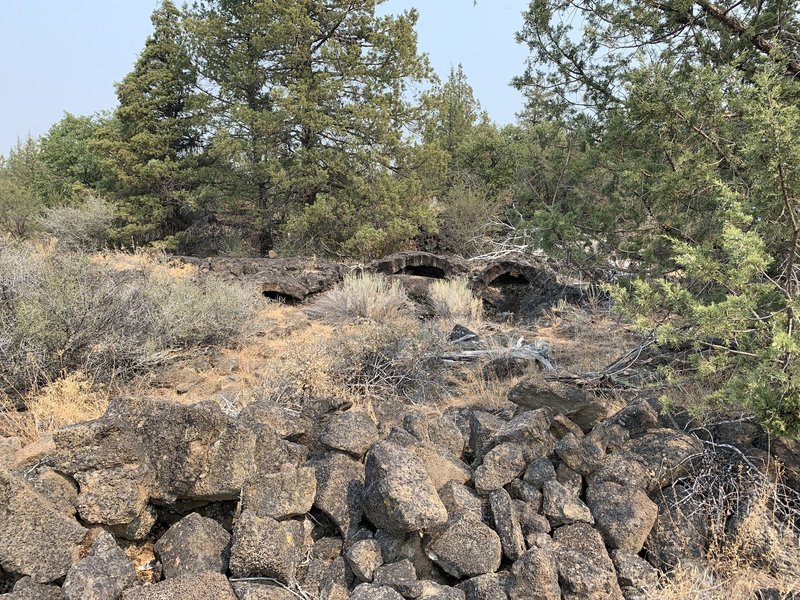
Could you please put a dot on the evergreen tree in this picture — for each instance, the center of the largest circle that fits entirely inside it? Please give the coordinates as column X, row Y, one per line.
column 152, row 144
column 68, row 151
column 309, row 99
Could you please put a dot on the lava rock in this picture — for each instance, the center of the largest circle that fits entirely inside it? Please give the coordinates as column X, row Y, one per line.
column 102, row 575
column 398, row 494
column 400, row 576
column 584, row 568
column 506, row 524
column 562, row 507
column 535, row 576
column 36, row 538
column 367, row 591
column 466, row 548
column 364, row 557
column 352, row 432
column 194, row 544
column 263, row 547
column 501, row 465
column 289, row 493
column 194, row 586
column 340, row 490
column 623, row 515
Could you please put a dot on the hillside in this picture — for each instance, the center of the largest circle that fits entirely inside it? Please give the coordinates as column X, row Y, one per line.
column 416, row 427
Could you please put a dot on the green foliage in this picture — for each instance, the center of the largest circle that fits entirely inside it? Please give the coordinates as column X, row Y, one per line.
column 68, row 152
column 691, row 131
column 26, row 187
column 309, row 100
column 150, row 148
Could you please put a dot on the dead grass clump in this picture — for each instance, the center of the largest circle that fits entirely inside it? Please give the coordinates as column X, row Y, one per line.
column 452, row 300
column 373, row 297
column 753, row 531
column 71, row 399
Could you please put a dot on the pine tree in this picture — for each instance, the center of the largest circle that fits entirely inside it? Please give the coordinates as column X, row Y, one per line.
column 151, row 145
column 309, row 98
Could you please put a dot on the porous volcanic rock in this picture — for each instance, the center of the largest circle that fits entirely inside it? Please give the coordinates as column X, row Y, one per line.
column 194, row 544
column 102, row 575
column 36, row 539
column 398, row 494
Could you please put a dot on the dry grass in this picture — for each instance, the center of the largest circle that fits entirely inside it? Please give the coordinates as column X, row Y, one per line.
column 373, row 297
column 71, row 399
column 585, row 340
column 452, row 300
column 754, row 532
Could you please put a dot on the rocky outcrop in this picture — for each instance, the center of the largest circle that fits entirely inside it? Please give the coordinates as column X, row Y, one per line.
column 464, row 505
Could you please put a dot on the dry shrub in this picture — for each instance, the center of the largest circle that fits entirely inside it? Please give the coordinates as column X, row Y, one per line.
column 452, row 300
column 398, row 360
column 80, row 227
column 71, row 399
column 753, row 531
column 61, row 313
column 373, row 297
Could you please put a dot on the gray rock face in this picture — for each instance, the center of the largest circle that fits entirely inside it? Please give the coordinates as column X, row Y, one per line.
column 501, row 465
column 506, row 524
column 535, row 576
column 353, row 432
column 195, row 451
column 111, row 466
column 36, row 539
column 666, row 452
column 483, row 427
column 623, row 515
column 62, row 491
column 367, row 591
column 196, row 586
column 289, row 493
column 252, row 590
column 584, row 568
column 530, row 519
column 531, row 430
column 561, row 398
column 194, row 544
column 272, row 417
column 398, row 494
column 638, row 417
column 625, row 469
column 400, row 576
column 466, row 548
column 335, row 582
column 445, row 434
column 459, row 499
column 263, row 547
column 103, row 575
column 340, row 490
column 364, row 557
column 434, row 591
column 562, row 507
column 486, row 587
column 440, row 467
column 633, row 571
column 27, row 589
column 538, row 472
column 581, row 455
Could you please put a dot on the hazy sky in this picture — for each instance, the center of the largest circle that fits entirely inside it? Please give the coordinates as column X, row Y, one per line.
column 58, row 55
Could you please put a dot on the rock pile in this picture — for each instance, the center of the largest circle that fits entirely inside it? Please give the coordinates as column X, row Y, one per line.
column 560, row 500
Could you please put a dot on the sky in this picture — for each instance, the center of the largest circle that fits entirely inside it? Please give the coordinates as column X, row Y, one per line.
column 61, row 56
